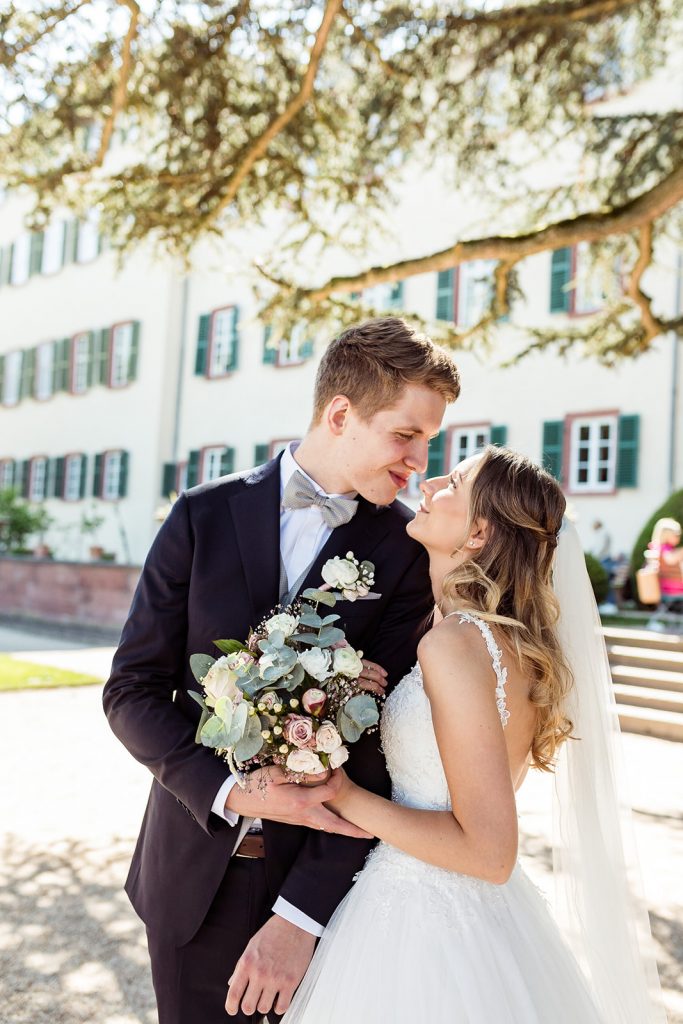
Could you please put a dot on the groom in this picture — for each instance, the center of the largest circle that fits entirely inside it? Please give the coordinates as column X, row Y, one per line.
column 224, row 899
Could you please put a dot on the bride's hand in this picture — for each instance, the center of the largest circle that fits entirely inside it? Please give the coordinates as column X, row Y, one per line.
column 341, row 786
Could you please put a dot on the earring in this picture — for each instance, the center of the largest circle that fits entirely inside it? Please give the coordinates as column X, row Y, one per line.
column 471, row 543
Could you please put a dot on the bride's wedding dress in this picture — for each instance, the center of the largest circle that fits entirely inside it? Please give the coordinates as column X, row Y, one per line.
column 412, row 942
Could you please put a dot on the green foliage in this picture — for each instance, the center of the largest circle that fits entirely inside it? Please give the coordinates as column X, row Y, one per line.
column 599, row 578
column 19, row 520
column 671, row 508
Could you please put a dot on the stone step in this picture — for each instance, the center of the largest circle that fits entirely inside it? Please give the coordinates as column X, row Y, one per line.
column 666, row 725
column 658, row 679
column 668, row 661
column 645, row 638
column 644, row 697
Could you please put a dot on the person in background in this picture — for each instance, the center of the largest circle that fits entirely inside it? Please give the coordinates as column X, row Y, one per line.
column 666, row 547
column 600, row 543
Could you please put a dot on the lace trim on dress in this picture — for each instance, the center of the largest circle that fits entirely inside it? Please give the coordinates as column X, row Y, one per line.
column 496, row 659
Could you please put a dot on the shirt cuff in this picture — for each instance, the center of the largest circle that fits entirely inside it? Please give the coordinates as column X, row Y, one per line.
column 218, row 806
column 290, row 913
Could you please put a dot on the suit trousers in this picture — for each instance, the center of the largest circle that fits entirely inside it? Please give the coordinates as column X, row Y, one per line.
column 191, row 981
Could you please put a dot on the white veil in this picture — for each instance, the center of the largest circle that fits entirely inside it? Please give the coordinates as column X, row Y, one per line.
column 598, row 888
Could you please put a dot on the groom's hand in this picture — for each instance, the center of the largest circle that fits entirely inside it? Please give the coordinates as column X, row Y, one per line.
column 270, row 969
column 269, row 795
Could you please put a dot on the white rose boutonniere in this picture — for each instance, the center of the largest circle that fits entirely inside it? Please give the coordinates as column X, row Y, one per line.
column 352, row 578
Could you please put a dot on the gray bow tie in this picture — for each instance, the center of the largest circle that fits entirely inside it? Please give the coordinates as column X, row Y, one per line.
column 300, row 493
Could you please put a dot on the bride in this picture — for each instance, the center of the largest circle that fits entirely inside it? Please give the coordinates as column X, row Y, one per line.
column 442, row 924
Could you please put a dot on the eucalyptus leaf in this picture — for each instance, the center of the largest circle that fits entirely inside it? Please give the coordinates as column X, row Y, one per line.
column 329, row 619
column 308, row 638
column 200, row 665
column 362, row 710
column 206, row 715
column 321, row 597
column 347, row 727
column 251, row 741
column 214, row 734
column 198, row 697
column 223, row 710
column 330, row 635
column 239, row 721
column 230, row 646
column 310, row 619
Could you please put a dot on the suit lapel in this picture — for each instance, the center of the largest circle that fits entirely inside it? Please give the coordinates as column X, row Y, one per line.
column 256, row 516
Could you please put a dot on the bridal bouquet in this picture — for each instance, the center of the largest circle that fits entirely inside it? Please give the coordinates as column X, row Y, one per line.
column 290, row 695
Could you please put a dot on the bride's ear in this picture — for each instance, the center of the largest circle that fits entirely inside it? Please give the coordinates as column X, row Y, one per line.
column 479, row 534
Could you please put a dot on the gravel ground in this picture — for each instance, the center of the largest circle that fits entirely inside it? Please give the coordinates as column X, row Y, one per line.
column 72, row 950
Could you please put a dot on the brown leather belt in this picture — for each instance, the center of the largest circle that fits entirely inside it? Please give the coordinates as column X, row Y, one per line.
column 251, row 846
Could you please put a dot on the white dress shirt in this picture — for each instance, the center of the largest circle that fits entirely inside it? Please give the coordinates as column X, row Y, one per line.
column 303, row 532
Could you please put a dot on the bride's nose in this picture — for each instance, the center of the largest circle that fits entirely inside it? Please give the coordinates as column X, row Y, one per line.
column 430, row 486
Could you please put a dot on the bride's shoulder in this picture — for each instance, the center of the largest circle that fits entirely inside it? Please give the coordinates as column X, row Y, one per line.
column 450, row 644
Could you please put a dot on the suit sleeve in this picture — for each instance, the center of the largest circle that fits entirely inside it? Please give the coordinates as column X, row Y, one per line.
column 326, row 865
column 149, row 666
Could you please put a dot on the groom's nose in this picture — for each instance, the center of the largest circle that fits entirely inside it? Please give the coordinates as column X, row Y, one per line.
column 418, row 454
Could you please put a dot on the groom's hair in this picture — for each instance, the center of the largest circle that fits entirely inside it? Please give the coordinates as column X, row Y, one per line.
column 372, row 363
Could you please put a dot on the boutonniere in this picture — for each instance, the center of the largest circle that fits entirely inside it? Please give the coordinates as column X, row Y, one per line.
column 351, row 579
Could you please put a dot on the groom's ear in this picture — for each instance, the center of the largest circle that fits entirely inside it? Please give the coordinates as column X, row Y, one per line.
column 336, row 414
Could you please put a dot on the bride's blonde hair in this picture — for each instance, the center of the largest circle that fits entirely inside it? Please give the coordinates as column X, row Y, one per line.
column 509, row 582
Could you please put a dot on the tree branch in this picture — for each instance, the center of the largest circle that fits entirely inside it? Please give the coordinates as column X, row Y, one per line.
column 260, row 146
column 589, row 227
column 28, row 45
column 121, row 88
column 541, row 15
column 362, row 37
column 652, row 325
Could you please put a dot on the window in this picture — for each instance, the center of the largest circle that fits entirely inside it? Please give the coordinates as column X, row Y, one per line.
column 593, row 450
column 181, row 477
column 211, row 464
column 53, row 247
column 45, row 357
column 474, row 284
column 465, row 441
column 295, row 349
column 111, row 480
column 223, row 341
column 575, row 285
column 21, row 259
column 73, row 472
column 121, row 351
column 6, row 474
column 80, row 360
column 38, row 479
column 12, row 382
column 88, row 243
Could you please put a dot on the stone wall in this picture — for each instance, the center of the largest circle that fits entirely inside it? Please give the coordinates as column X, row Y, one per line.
column 80, row 593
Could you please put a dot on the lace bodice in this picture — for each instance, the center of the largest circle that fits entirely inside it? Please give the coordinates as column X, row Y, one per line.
column 408, row 740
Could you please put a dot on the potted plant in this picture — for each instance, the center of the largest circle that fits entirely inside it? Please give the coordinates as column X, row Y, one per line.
column 19, row 521
column 91, row 521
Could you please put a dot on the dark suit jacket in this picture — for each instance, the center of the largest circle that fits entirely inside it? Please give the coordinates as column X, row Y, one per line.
column 212, row 572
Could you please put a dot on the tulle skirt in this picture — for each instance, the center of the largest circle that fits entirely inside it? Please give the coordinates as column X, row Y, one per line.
column 412, row 943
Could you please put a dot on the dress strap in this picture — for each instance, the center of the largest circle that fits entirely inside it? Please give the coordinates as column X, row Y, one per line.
column 496, row 658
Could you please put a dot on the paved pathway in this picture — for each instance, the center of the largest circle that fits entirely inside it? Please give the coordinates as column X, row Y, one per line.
column 71, row 949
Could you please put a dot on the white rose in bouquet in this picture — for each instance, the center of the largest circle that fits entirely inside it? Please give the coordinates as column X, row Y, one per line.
column 327, row 738
column 305, row 761
column 347, row 663
column 221, row 681
column 283, row 623
column 317, row 663
column 338, row 757
column 340, row 573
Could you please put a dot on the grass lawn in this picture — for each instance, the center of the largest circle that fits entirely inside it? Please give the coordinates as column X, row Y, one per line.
column 22, row 675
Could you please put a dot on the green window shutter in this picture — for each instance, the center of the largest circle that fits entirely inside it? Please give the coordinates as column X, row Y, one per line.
column 202, row 344
column 134, row 347
column 97, row 477
column 84, row 475
column 445, row 282
column 28, row 373
column 70, row 243
column 61, row 364
column 50, row 478
column 22, row 476
column 227, row 461
column 499, row 436
column 99, row 364
column 261, row 454
column 123, row 475
column 560, row 277
column 2, row 378
column 59, row 477
column 35, row 261
column 270, row 352
column 168, row 478
column 234, row 354
column 628, row 440
column 396, row 295
column 553, row 442
column 306, row 349
column 193, row 468
column 437, row 455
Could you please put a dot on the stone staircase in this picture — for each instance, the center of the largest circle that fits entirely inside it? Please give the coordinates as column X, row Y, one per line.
column 647, row 671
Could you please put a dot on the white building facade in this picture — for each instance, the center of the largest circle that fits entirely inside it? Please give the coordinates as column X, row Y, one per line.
column 120, row 386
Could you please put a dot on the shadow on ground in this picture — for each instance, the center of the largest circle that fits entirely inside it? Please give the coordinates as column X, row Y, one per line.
column 71, row 949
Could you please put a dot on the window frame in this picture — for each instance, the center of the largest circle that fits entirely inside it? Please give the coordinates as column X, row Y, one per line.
column 44, row 346
column 16, row 352
column 21, row 246
column 86, row 227
column 301, row 339
column 4, row 463
column 112, row 346
column 68, row 459
column 455, row 429
column 49, row 233
column 33, row 462
column 461, row 279
column 106, row 460
column 73, row 362
column 574, row 421
column 210, row 349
